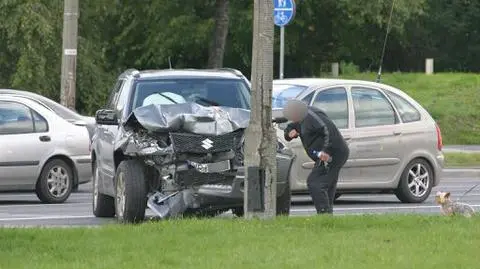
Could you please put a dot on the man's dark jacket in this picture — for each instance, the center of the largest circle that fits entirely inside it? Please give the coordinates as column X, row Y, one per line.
column 318, row 133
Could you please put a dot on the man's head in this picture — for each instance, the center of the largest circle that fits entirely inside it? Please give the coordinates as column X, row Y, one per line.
column 295, row 110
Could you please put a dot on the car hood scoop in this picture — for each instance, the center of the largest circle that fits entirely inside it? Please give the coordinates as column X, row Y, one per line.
column 188, row 117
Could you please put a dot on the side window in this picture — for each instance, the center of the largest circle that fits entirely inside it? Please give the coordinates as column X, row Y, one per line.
column 334, row 103
column 15, row 118
column 407, row 111
column 371, row 108
column 308, row 99
column 112, row 99
column 122, row 97
column 41, row 125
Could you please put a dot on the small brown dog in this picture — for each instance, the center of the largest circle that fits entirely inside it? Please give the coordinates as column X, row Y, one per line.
column 449, row 207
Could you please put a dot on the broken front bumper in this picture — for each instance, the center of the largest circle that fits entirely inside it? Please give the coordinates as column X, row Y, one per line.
column 218, row 196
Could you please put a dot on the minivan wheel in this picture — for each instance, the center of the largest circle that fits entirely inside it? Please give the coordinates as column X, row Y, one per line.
column 55, row 182
column 416, row 182
column 103, row 205
column 130, row 192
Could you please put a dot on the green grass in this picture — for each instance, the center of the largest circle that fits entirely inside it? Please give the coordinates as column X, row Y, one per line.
column 317, row 242
column 453, row 99
column 460, row 159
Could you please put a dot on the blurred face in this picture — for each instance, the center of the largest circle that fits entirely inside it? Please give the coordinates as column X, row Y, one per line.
column 294, row 111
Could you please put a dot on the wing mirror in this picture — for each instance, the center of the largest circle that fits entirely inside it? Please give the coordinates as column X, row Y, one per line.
column 106, row 117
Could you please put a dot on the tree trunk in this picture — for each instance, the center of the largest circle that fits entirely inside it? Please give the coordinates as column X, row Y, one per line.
column 260, row 138
column 217, row 47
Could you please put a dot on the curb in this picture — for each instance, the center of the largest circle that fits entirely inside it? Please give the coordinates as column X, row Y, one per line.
column 461, row 172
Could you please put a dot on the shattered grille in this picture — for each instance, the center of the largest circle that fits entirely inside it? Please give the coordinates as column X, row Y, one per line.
column 196, row 143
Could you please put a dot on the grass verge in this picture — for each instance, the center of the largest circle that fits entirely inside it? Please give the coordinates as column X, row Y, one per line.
column 460, row 159
column 453, row 100
column 358, row 242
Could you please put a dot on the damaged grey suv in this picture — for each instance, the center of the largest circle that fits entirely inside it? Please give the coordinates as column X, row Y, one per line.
column 172, row 141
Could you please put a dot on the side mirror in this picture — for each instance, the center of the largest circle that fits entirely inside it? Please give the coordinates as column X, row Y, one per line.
column 279, row 120
column 106, row 117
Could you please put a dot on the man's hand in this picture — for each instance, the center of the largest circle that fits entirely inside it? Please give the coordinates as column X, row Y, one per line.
column 323, row 156
column 293, row 134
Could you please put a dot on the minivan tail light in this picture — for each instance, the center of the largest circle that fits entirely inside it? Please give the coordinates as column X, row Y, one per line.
column 439, row 137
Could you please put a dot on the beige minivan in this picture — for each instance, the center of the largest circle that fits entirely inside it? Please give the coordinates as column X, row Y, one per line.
column 395, row 145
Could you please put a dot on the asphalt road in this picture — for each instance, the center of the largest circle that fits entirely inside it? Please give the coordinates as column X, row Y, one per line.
column 26, row 210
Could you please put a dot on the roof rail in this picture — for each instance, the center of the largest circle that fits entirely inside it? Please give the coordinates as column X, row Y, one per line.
column 131, row 71
column 231, row 70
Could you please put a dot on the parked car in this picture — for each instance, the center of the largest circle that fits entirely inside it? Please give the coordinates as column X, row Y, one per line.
column 173, row 140
column 62, row 111
column 395, row 145
column 41, row 151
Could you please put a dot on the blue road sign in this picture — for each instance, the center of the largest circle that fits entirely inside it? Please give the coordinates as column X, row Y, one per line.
column 283, row 12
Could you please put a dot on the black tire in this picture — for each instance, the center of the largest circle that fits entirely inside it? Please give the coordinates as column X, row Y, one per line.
column 404, row 192
column 59, row 171
column 103, row 206
column 75, row 188
column 284, row 202
column 131, row 191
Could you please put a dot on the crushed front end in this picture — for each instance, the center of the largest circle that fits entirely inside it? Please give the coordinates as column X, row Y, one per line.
column 184, row 153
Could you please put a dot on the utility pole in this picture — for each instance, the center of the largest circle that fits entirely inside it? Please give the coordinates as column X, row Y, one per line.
column 69, row 53
column 260, row 138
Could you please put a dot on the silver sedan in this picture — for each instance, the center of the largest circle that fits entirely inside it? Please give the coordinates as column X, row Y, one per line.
column 41, row 151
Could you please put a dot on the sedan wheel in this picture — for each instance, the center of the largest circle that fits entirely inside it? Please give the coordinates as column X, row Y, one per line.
column 55, row 182
column 416, row 182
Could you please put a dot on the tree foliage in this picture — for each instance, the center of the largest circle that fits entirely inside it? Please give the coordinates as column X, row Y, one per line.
column 116, row 35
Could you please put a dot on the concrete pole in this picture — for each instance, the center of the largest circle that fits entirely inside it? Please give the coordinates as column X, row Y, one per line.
column 69, row 53
column 429, row 66
column 335, row 69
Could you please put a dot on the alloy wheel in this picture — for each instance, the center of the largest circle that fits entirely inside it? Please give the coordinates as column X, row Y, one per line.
column 58, row 181
column 418, row 180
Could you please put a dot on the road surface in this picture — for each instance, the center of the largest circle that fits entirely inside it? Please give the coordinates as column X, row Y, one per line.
column 26, row 210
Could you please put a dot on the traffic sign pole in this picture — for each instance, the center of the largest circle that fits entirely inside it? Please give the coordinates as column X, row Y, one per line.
column 283, row 13
column 282, row 50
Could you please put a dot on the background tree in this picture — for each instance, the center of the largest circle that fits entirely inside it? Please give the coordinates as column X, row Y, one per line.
column 217, row 47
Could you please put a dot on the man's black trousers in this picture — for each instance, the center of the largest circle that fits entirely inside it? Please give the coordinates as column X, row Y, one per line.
column 322, row 183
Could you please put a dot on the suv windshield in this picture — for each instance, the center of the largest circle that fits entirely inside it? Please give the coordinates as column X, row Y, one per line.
column 204, row 91
column 283, row 93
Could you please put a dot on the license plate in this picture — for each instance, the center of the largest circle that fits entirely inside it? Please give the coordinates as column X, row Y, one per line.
column 211, row 167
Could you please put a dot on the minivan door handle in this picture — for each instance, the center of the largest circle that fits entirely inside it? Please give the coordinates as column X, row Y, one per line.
column 397, row 132
column 44, row 138
column 347, row 137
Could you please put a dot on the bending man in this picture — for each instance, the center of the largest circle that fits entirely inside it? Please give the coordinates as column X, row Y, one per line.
column 324, row 144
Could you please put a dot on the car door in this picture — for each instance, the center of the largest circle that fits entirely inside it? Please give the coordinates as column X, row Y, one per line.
column 334, row 101
column 24, row 143
column 375, row 138
column 106, row 137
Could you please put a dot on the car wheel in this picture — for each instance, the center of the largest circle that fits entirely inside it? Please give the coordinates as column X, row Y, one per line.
column 130, row 192
column 416, row 182
column 55, row 182
column 103, row 205
column 284, row 202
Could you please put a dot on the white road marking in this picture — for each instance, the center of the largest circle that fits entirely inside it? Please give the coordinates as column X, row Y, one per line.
column 47, row 218
column 371, row 208
column 43, row 205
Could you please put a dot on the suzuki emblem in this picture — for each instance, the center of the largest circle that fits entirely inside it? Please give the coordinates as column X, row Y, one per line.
column 207, row 143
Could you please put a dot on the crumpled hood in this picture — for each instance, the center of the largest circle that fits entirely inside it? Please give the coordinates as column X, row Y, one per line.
column 189, row 117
